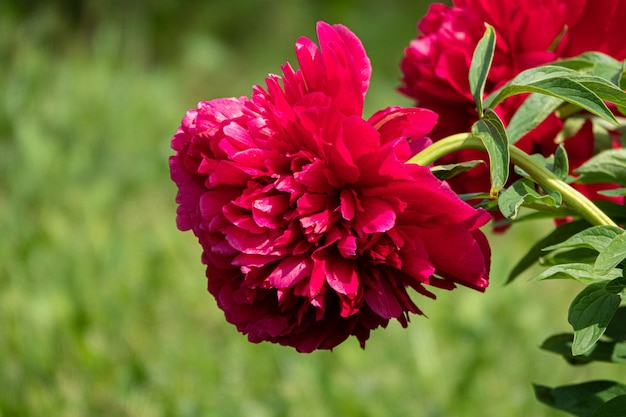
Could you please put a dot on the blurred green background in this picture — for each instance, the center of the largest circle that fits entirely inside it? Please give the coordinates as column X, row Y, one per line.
column 103, row 307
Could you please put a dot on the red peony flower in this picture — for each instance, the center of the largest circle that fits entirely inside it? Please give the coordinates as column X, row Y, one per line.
column 529, row 33
column 312, row 227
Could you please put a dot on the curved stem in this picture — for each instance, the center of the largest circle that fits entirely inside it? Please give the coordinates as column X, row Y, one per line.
column 538, row 172
column 445, row 146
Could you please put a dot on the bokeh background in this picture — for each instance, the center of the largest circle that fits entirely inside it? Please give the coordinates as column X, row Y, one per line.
column 103, row 307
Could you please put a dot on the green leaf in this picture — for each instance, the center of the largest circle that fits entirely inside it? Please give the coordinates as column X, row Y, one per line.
column 613, row 352
column 557, row 164
column 481, row 63
column 570, row 256
column 612, row 255
column 561, row 164
column 490, row 130
column 594, row 237
column 523, row 192
column 617, row 327
column 617, row 285
column 615, row 407
column 577, row 63
column 615, row 192
column 473, row 196
column 559, row 82
column 606, row 90
column 559, row 234
column 534, row 110
column 577, row 271
column 587, row 63
column 580, row 399
column 445, row 172
column 596, row 63
column 590, row 313
column 606, row 66
column 602, row 137
column 608, row 166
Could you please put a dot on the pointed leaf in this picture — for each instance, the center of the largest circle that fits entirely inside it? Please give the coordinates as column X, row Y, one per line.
column 617, row 327
column 490, row 130
column 481, row 63
column 556, row 82
column 579, row 399
column 536, row 251
column 590, row 313
column 604, row 89
column 612, row 255
column 617, row 285
column 596, row 63
column 615, row 407
column 445, row 172
column 569, row 256
column 602, row 137
column 561, row 164
column 594, row 237
column 615, row 192
column 474, row 196
column 577, row 271
column 614, row 352
column 608, row 166
column 523, row 192
column 534, row 110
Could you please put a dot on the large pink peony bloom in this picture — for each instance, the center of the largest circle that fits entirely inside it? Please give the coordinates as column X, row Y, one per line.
column 529, row 33
column 312, row 226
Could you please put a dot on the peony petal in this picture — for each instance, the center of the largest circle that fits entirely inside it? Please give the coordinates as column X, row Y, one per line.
column 415, row 260
column 427, row 196
column 346, row 65
column 347, row 246
column 341, row 274
column 350, row 204
column 311, row 203
column 227, row 173
column 290, row 271
column 317, row 224
column 314, row 177
column 397, row 122
column 377, row 216
column 242, row 218
column 381, row 298
column 462, row 255
column 317, row 282
column 309, row 58
column 274, row 204
column 236, row 138
column 359, row 137
column 594, row 32
column 360, row 65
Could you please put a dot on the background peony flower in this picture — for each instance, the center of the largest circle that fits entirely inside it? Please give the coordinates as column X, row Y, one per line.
column 529, row 33
column 312, row 227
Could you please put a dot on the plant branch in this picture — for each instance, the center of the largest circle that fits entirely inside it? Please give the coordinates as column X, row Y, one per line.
column 574, row 199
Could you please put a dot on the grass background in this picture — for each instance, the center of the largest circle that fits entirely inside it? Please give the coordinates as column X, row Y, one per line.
column 103, row 307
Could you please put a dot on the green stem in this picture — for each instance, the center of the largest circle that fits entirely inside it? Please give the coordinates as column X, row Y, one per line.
column 538, row 172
